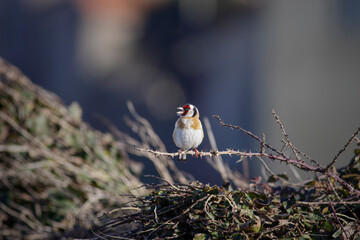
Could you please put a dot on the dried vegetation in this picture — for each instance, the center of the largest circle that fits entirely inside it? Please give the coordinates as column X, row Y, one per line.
column 59, row 176
column 324, row 207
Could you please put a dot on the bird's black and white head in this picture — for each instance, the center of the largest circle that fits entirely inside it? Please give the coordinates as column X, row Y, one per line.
column 188, row 110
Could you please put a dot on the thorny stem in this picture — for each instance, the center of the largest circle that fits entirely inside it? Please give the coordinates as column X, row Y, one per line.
column 286, row 136
column 353, row 136
column 248, row 133
column 299, row 163
column 287, row 141
column 280, row 156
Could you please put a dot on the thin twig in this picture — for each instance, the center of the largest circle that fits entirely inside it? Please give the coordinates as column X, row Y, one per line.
column 164, row 180
column 337, row 219
column 338, row 197
column 218, row 163
column 14, row 148
column 273, row 174
column 286, row 136
column 327, row 203
column 343, row 149
column 165, row 167
column 298, row 163
column 281, row 157
column 288, row 143
column 262, row 144
column 218, row 159
column 248, row 133
column 178, row 216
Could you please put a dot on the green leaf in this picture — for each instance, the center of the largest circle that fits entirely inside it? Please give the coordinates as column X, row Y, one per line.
column 237, row 236
column 337, row 233
column 75, row 111
column 308, row 225
column 284, row 176
column 304, row 237
column 252, row 195
column 211, row 216
column 73, row 140
column 291, row 201
column 200, row 236
column 328, row 226
column 311, row 183
column 248, row 197
column 314, row 217
column 193, row 216
column 215, row 234
column 252, row 225
column 272, row 179
column 38, row 125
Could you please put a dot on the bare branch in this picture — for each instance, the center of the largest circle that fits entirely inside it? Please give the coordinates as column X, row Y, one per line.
column 286, row 136
column 272, row 173
column 218, row 163
column 249, row 134
column 344, row 148
column 262, row 144
column 327, row 203
column 218, row 160
column 295, row 162
column 337, row 219
column 287, row 141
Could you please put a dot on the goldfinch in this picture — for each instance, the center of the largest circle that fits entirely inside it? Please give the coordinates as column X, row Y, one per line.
column 188, row 132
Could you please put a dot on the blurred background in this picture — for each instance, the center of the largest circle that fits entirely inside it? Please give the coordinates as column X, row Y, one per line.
column 238, row 59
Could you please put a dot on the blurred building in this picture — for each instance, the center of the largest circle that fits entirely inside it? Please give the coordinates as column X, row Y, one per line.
column 236, row 59
column 310, row 74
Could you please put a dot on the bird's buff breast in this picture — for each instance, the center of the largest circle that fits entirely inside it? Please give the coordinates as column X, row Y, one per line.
column 185, row 136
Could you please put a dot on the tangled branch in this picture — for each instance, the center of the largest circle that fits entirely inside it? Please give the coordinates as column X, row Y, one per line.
column 275, row 154
column 198, row 211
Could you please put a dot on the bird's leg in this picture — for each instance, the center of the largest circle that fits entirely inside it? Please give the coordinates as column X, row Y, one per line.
column 182, row 155
column 197, row 153
column 179, row 158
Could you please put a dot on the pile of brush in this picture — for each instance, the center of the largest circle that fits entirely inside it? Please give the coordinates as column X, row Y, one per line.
column 317, row 209
column 57, row 174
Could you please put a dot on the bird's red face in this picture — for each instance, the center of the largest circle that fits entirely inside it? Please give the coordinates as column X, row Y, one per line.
column 183, row 110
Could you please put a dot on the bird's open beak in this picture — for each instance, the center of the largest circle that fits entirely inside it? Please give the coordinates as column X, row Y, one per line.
column 181, row 111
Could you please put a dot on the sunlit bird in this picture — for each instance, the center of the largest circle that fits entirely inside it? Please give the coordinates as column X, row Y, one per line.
column 188, row 132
